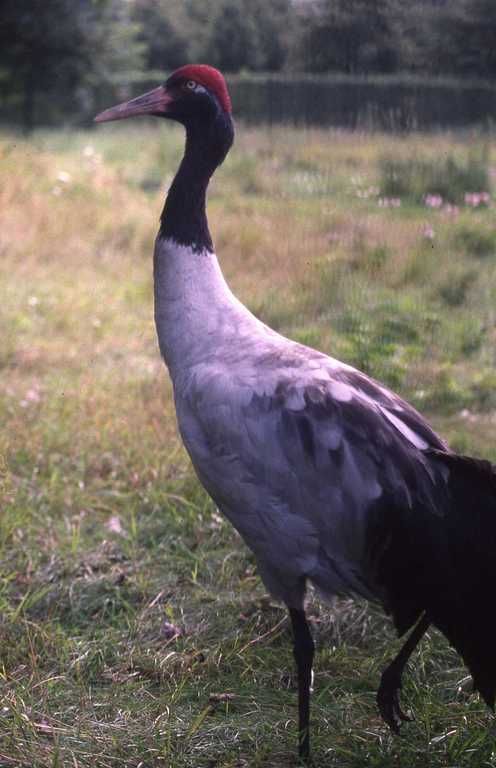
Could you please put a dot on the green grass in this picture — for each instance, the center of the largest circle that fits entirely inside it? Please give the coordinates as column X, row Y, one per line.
column 448, row 175
column 107, row 541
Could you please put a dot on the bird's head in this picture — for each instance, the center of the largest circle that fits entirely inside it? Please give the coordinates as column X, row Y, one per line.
column 195, row 94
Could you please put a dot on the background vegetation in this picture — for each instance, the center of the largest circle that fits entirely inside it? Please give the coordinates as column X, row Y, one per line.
column 134, row 629
column 63, row 60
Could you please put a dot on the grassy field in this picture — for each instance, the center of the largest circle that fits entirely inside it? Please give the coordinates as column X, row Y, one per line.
column 134, row 630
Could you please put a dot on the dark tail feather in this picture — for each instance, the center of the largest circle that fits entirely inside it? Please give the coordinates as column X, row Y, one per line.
column 469, row 620
column 446, row 565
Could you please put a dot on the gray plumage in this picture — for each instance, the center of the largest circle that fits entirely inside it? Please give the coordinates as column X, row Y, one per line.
column 293, row 446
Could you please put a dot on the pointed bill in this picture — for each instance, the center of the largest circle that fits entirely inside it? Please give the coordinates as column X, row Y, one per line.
column 154, row 102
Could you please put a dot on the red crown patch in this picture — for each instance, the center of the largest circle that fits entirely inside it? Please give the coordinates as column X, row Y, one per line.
column 207, row 76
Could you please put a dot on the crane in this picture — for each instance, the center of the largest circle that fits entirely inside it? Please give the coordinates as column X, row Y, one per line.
column 330, row 478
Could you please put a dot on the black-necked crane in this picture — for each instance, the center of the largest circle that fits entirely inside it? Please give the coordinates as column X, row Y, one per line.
column 329, row 477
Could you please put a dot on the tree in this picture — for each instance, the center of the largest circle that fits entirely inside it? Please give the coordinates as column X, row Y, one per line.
column 480, row 51
column 166, row 45
column 468, row 38
column 231, row 43
column 455, row 37
column 49, row 50
column 240, row 34
column 273, row 29
column 40, row 49
column 352, row 36
column 415, row 32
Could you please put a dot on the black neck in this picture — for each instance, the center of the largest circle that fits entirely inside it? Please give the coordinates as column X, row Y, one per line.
column 184, row 217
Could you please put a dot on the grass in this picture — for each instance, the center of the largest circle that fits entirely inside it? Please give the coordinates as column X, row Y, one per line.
column 134, row 630
column 447, row 175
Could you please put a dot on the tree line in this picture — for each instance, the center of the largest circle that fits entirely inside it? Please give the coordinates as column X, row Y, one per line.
column 56, row 54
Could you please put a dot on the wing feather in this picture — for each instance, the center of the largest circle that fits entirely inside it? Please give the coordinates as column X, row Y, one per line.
column 302, row 459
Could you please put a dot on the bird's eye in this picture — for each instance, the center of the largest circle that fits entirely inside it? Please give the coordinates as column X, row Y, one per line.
column 191, row 85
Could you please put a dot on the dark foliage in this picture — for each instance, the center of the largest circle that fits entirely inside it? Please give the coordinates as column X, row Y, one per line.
column 60, row 59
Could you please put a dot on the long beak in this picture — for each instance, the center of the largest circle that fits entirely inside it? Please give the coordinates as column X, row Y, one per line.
column 154, row 102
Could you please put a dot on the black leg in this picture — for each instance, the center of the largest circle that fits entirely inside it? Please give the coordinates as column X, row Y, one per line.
column 303, row 653
column 388, row 695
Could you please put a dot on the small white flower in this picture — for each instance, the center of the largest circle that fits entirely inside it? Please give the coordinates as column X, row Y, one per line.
column 114, row 525
column 389, row 202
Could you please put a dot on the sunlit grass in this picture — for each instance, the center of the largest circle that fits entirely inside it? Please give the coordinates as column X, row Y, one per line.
column 107, row 540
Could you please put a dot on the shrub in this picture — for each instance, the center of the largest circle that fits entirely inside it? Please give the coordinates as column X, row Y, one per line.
column 415, row 177
column 476, row 241
column 455, row 288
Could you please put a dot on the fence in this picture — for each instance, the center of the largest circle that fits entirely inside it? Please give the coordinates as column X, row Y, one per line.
column 389, row 103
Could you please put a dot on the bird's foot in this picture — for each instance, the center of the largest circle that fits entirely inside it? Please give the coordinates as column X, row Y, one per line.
column 388, row 700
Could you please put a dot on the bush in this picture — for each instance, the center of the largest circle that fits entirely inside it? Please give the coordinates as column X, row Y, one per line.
column 414, row 178
column 476, row 241
column 454, row 289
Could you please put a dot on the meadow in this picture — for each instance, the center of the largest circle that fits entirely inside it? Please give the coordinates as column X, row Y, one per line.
column 134, row 630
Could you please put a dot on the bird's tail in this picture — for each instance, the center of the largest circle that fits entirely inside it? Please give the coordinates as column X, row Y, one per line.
column 446, row 565
column 469, row 619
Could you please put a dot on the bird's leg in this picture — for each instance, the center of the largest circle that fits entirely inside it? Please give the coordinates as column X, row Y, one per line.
column 388, row 695
column 303, row 648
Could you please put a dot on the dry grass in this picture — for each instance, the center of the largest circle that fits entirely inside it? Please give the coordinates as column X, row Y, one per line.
column 106, row 539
